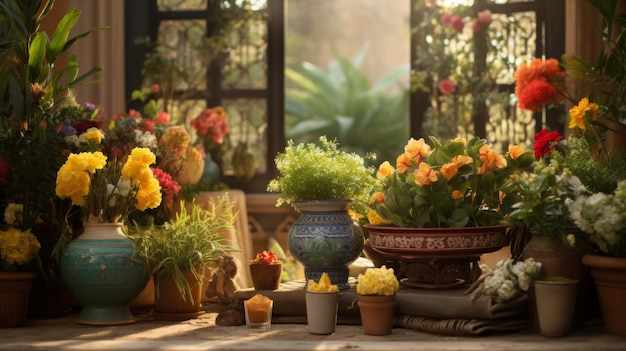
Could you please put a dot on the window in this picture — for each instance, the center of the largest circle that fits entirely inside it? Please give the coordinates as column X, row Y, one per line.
column 249, row 80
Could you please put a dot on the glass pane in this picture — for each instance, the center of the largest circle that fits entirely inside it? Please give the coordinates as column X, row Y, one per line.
column 181, row 5
column 245, row 64
column 247, row 119
column 179, row 61
column 467, row 70
column 347, row 74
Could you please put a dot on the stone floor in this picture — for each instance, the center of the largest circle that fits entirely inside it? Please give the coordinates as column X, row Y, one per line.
column 202, row 334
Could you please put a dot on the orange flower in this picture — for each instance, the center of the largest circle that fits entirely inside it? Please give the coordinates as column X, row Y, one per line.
column 379, row 197
column 490, row 160
column 384, row 170
column 403, row 162
column 457, row 195
column 417, row 148
column 425, row 175
column 515, row 151
column 451, row 168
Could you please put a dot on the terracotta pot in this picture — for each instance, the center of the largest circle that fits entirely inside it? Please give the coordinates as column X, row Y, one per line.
column 377, row 313
column 145, row 299
column 557, row 260
column 609, row 274
column 169, row 303
column 266, row 276
column 14, row 291
column 555, row 306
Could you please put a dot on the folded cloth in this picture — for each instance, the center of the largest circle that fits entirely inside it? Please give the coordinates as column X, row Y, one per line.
column 459, row 327
column 289, row 300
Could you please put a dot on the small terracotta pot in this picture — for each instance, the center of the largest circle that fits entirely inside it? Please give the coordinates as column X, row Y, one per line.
column 266, row 276
column 169, row 303
column 377, row 313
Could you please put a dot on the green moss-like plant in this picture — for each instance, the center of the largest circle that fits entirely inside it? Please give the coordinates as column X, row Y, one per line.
column 309, row 171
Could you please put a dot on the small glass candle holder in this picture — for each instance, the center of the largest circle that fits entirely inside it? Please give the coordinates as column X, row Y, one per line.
column 258, row 311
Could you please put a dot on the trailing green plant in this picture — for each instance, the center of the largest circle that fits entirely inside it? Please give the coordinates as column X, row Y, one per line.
column 189, row 241
column 343, row 104
column 309, row 171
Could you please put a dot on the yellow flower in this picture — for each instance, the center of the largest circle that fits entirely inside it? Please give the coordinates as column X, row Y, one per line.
column 374, row 218
column 73, row 178
column 18, row 247
column 377, row 281
column 149, row 195
column 176, row 140
column 92, row 134
column 577, row 113
column 137, row 167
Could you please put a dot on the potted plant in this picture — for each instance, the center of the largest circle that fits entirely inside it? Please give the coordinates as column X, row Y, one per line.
column 322, row 181
column 19, row 258
column 376, row 293
column 36, row 96
column 266, row 271
column 179, row 251
column 602, row 219
column 104, row 191
column 443, row 200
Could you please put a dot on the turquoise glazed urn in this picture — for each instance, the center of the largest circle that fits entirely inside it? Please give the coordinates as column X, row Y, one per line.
column 325, row 238
column 104, row 272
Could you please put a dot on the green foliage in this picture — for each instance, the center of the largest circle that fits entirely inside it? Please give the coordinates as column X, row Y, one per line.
column 343, row 104
column 451, row 185
column 605, row 79
column 35, row 98
column 189, row 241
column 321, row 172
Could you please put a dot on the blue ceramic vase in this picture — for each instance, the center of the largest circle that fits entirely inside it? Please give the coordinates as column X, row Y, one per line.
column 104, row 272
column 325, row 239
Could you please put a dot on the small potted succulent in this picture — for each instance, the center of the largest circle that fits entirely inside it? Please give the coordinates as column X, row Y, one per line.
column 266, row 270
column 376, row 292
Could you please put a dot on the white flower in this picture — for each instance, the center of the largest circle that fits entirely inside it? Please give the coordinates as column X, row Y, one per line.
column 13, row 214
column 124, row 186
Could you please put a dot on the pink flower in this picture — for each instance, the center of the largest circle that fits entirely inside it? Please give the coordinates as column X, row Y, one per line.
column 167, row 183
column 155, row 88
column 212, row 122
column 484, row 17
column 446, row 18
column 162, row 117
column 147, row 126
column 431, row 2
column 446, row 86
column 134, row 113
column 456, row 22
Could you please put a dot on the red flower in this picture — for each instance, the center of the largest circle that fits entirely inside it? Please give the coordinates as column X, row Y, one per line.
column 83, row 125
column 212, row 123
column 266, row 257
column 446, row 86
column 544, row 142
column 168, row 185
column 536, row 94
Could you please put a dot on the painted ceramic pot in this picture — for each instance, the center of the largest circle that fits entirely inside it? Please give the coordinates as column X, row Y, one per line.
column 326, row 239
